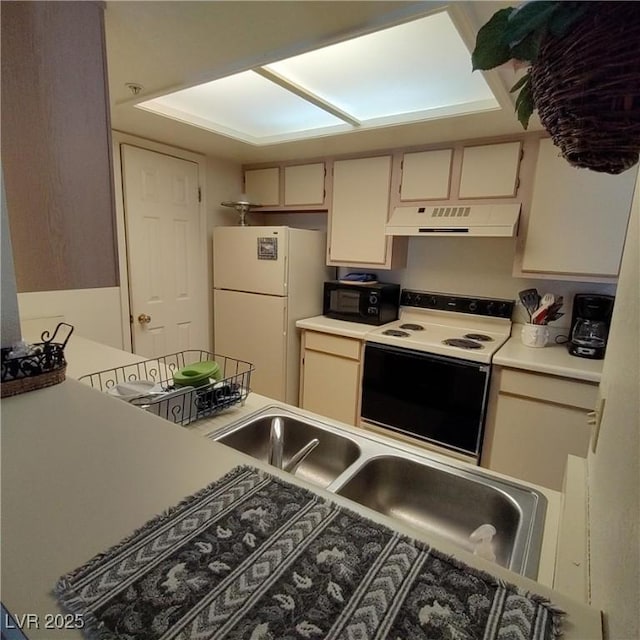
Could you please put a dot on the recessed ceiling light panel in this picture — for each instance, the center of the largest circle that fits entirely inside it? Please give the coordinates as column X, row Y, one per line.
column 407, row 73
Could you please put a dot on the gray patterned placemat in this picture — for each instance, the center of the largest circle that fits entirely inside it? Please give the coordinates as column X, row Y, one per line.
column 254, row 557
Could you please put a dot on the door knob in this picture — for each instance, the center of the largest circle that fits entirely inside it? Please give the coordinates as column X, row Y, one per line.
column 143, row 318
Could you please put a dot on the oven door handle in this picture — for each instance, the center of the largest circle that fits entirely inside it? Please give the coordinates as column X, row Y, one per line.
column 482, row 367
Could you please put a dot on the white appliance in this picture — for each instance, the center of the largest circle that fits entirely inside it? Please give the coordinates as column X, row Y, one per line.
column 478, row 220
column 265, row 279
column 427, row 374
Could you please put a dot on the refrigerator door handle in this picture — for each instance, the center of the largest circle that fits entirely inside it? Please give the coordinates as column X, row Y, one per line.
column 286, row 274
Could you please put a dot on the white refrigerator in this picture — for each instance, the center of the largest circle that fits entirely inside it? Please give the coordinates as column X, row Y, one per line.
column 265, row 279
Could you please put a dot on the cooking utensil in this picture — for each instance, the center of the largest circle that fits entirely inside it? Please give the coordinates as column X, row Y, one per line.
column 540, row 315
column 547, row 299
column 530, row 299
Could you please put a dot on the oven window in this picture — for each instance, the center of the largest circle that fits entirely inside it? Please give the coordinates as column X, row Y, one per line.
column 438, row 399
column 345, row 301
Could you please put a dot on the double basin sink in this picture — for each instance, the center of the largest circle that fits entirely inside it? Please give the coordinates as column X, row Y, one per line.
column 499, row 520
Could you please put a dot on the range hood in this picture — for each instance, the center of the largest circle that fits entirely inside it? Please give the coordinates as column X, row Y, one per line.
column 477, row 220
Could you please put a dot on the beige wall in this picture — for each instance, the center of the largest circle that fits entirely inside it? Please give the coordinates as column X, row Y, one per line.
column 464, row 266
column 614, row 469
column 223, row 183
column 481, row 267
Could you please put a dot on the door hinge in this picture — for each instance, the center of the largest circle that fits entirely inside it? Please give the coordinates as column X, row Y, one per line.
column 130, row 319
column 199, row 194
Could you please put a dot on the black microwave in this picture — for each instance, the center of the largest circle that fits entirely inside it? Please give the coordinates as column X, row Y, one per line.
column 370, row 303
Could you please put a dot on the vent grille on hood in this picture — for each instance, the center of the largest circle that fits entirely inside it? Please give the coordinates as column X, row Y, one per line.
column 450, row 212
column 485, row 220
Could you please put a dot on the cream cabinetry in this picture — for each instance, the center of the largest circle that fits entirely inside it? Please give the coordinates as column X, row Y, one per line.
column 490, row 170
column 304, row 184
column 330, row 375
column 263, row 185
column 577, row 220
column 426, row 175
column 534, row 422
column 358, row 214
column 287, row 186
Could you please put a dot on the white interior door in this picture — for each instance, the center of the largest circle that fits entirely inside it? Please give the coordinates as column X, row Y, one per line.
column 166, row 253
column 253, row 328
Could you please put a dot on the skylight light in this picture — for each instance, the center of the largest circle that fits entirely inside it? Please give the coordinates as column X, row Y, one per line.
column 414, row 71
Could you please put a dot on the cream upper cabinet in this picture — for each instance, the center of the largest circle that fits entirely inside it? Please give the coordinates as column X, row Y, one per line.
column 263, row 185
column 578, row 219
column 304, row 184
column 287, row 186
column 330, row 376
column 358, row 214
column 426, row 175
column 490, row 170
column 534, row 422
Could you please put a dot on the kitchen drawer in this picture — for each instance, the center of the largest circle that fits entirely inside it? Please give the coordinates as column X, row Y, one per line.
column 554, row 389
column 336, row 345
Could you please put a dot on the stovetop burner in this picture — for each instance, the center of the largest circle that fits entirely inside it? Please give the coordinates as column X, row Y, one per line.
column 395, row 333
column 412, row 326
column 479, row 337
column 462, row 343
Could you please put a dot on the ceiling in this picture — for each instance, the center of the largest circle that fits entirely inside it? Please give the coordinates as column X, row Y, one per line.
column 166, row 45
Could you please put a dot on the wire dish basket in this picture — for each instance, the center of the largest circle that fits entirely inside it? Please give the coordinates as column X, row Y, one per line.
column 181, row 405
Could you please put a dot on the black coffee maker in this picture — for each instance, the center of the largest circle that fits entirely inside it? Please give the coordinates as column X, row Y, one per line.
column 590, row 322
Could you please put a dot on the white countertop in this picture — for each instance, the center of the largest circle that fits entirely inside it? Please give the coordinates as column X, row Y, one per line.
column 81, row 470
column 554, row 359
column 336, row 327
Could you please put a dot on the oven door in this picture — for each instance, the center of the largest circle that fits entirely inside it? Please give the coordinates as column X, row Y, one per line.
column 434, row 398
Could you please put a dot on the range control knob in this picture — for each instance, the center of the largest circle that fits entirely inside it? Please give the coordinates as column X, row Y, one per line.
column 503, row 309
column 433, row 301
column 473, row 306
column 373, row 298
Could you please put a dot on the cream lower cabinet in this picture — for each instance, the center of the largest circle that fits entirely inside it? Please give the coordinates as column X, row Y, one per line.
column 330, row 375
column 534, row 422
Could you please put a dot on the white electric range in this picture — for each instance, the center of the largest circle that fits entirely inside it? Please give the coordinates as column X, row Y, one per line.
column 427, row 374
column 459, row 335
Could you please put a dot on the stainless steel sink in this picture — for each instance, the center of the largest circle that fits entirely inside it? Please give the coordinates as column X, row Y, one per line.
column 448, row 498
column 324, row 464
column 452, row 503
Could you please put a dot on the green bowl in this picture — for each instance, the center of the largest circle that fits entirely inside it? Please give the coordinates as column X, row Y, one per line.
column 197, row 374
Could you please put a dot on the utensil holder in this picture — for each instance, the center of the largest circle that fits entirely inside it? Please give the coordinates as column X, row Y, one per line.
column 535, row 335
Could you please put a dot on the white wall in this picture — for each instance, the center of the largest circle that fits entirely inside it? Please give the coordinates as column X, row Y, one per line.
column 94, row 313
column 614, row 469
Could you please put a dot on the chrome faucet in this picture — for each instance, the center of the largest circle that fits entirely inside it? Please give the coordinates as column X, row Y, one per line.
column 276, row 442
column 276, row 448
column 299, row 457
